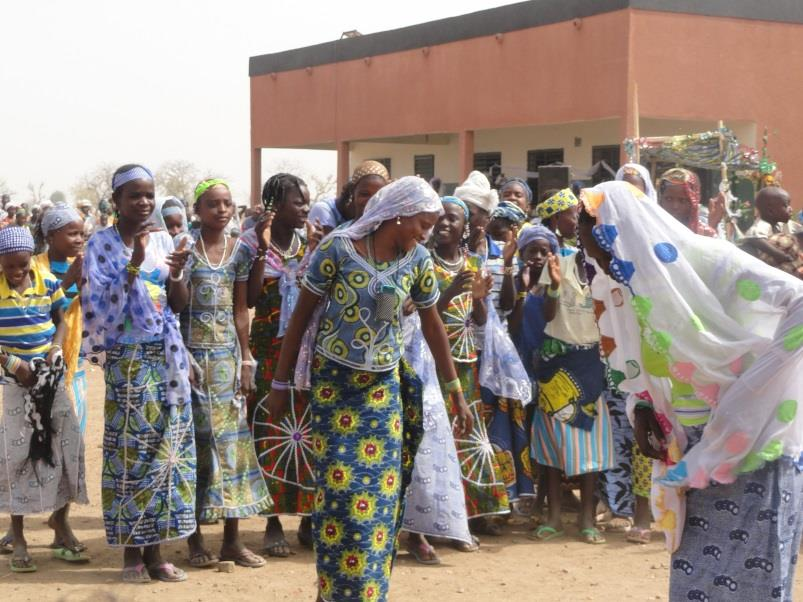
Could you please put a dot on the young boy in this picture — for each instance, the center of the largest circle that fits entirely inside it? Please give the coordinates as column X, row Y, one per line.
column 43, row 468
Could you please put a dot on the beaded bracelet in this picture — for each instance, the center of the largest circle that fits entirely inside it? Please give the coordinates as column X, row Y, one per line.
column 12, row 364
column 521, row 296
column 132, row 269
column 280, row 385
column 508, row 270
column 554, row 294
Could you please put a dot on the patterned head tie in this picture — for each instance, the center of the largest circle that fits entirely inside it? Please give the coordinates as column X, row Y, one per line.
column 138, row 172
column 14, row 239
column 207, row 184
column 509, row 211
column 455, row 201
column 59, row 216
column 370, row 168
column 560, row 201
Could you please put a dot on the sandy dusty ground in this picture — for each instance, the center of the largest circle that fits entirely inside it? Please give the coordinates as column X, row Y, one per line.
column 508, row 567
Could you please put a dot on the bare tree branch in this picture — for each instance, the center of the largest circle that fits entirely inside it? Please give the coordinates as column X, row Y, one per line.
column 95, row 185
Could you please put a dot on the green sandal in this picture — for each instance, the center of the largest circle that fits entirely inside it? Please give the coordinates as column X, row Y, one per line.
column 22, row 565
column 68, row 555
column 546, row 533
column 591, row 535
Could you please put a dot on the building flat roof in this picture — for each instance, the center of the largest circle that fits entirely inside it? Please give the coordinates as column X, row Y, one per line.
column 511, row 17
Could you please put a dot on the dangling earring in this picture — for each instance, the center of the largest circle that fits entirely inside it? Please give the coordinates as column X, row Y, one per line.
column 398, row 220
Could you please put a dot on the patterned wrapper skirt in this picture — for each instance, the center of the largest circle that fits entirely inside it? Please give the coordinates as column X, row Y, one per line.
column 282, row 443
column 366, row 427
column 148, row 478
column 741, row 541
column 631, row 474
column 484, row 468
column 28, row 489
column 573, row 450
column 509, row 433
column 229, row 482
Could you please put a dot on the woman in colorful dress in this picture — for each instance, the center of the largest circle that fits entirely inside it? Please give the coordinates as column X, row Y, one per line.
column 711, row 343
column 215, row 330
column 461, row 306
column 43, row 450
column 133, row 284
column 366, row 403
column 282, row 440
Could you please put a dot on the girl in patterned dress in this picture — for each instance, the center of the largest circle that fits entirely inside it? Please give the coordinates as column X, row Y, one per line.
column 133, row 284
column 282, row 440
column 215, row 330
column 462, row 304
column 365, row 402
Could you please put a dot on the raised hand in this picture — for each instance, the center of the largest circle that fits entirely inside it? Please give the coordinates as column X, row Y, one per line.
column 178, row 258
column 141, row 238
column 314, row 234
column 481, row 285
column 553, row 265
column 511, row 246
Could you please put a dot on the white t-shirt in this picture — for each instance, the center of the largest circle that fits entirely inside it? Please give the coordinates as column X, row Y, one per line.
column 574, row 321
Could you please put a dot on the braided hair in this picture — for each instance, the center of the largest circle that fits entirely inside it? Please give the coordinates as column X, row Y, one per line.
column 276, row 188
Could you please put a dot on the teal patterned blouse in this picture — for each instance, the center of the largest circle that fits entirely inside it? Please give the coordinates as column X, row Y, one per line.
column 349, row 332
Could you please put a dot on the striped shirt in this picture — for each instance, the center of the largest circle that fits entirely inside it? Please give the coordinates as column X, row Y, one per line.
column 26, row 325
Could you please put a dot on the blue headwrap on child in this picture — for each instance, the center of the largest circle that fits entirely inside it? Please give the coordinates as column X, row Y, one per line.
column 533, row 233
column 455, row 201
column 509, row 211
column 138, row 172
column 528, row 192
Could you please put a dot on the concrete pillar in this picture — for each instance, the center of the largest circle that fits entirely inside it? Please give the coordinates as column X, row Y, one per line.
column 343, row 167
column 465, row 150
column 256, row 176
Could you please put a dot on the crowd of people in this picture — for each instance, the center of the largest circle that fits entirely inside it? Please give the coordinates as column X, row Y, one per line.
column 393, row 365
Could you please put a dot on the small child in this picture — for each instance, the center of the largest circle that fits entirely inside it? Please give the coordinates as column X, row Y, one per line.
column 43, row 469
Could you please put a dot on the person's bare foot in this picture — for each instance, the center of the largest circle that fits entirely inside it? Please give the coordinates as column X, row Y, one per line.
column 274, row 542
column 63, row 534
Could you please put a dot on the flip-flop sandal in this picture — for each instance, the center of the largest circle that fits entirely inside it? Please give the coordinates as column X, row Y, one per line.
column 277, row 549
column 136, row 574
column 464, row 546
column 67, row 555
column 618, row 524
column 22, row 565
column 167, row 572
column 546, row 533
column 6, row 545
column 246, row 558
column 203, row 559
column 639, row 535
column 423, row 553
column 591, row 535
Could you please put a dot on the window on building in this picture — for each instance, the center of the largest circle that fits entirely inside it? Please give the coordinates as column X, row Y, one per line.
column 539, row 157
column 386, row 162
column 424, row 166
column 489, row 163
column 609, row 154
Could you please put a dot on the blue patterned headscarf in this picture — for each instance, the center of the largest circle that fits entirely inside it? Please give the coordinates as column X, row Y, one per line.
column 59, row 216
column 14, row 239
column 455, row 201
column 138, row 172
column 528, row 192
column 509, row 211
column 533, row 233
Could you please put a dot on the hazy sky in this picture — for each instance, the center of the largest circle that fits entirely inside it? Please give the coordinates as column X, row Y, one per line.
column 92, row 81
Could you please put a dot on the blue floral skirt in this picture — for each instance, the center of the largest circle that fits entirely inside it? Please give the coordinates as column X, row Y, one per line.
column 365, row 430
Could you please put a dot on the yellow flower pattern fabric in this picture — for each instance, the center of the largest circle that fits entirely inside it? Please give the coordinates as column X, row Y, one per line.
column 349, row 331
